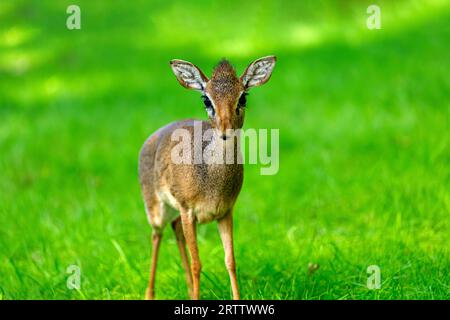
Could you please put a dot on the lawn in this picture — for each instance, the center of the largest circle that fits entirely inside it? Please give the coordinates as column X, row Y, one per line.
column 364, row 147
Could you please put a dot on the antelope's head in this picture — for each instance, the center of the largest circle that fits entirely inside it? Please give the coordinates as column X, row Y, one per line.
column 224, row 95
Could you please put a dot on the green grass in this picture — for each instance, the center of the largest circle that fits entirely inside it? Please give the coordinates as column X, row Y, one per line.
column 364, row 159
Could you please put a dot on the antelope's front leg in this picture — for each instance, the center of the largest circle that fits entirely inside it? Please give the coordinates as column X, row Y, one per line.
column 190, row 234
column 226, row 234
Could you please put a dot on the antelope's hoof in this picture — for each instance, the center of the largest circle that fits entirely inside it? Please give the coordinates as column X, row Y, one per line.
column 149, row 294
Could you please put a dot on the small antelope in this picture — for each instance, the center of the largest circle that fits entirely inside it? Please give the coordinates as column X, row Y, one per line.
column 185, row 194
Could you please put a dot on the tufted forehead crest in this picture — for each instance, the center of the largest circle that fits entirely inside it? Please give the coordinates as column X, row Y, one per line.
column 224, row 77
column 223, row 69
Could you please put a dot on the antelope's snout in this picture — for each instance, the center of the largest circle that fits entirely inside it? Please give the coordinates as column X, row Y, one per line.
column 227, row 118
column 224, row 127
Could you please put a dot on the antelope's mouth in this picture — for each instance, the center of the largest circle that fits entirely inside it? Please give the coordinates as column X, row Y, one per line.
column 225, row 135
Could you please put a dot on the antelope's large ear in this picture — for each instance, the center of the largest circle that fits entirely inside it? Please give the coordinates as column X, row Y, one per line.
column 188, row 75
column 258, row 72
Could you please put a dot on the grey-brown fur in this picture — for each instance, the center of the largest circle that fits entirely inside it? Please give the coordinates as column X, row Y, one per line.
column 191, row 185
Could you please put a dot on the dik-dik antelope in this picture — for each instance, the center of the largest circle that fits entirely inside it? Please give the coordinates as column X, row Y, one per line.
column 185, row 194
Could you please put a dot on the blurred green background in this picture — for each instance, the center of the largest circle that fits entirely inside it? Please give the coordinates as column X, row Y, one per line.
column 364, row 160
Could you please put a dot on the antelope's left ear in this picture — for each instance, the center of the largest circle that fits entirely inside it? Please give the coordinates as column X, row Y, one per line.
column 258, row 72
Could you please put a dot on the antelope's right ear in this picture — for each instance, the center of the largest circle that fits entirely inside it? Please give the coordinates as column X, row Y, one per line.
column 188, row 75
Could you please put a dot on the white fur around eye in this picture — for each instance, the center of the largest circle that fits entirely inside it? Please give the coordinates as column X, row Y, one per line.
column 210, row 112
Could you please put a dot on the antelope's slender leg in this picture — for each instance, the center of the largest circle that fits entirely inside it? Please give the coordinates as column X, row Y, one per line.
column 156, row 240
column 190, row 234
column 226, row 234
column 181, row 242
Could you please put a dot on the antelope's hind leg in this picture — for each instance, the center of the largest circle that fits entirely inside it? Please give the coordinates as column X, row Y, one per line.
column 181, row 242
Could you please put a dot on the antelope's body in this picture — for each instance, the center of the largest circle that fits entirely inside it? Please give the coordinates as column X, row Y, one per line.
column 187, row 193
column 208, row 190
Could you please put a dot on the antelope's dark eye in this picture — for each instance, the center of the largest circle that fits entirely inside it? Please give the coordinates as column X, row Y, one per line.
column 208, row 104
column 242, row 100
